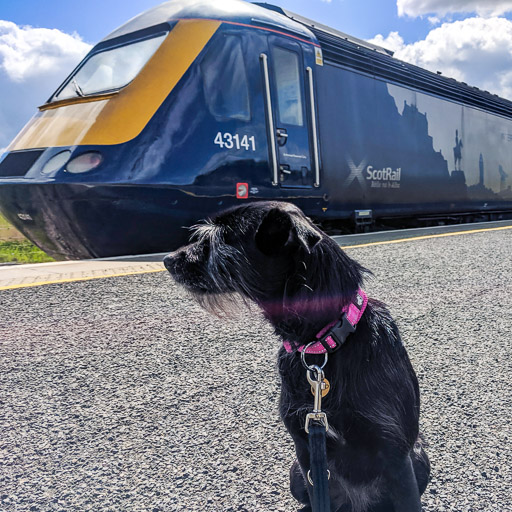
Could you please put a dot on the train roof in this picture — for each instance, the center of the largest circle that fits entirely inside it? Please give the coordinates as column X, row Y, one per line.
column 324, row 28
column 237, row 11
column 366, row 57
column 337, row 47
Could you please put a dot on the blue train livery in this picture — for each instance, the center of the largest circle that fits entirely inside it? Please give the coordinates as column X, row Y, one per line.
column 195, row 105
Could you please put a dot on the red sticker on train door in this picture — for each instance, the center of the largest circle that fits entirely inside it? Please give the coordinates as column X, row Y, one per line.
column 242, row 190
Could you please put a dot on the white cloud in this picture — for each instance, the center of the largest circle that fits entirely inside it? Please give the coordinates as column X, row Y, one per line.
column 393, row 41
column 476, row 50
column 33, row 62
column 416, row 8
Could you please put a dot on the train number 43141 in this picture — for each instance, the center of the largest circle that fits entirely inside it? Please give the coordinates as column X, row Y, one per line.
column 235, row 141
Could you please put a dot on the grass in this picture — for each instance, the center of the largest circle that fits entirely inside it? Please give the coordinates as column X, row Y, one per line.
column 15, row 248
column 21, row 251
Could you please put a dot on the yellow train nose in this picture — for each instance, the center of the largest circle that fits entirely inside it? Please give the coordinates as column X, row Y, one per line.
column 115, row 118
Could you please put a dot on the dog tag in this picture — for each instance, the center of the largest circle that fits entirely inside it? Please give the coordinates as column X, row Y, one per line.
column 325, row 388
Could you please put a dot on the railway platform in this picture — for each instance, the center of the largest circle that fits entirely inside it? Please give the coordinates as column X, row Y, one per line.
column 117, row 392
column 20, row 276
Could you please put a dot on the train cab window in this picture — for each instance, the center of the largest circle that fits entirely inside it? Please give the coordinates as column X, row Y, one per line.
column 110, row 69
column 225, row 81
column 289, row 94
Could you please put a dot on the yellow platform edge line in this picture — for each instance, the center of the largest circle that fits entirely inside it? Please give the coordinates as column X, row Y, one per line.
column 386, row 242
column 425, row 237
column 78, row 279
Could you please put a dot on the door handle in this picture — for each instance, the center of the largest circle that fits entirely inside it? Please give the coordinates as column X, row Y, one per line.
column 270, row 120
column 282, row 136
column 313, row 125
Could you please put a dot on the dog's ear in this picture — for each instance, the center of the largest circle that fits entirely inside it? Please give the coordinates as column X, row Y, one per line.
column 306, row 234
column 279, row 228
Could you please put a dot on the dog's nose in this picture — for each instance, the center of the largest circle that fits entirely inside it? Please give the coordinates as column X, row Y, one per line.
column 168, row 262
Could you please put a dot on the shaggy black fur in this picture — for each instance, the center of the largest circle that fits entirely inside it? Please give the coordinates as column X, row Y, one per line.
column 269, row 253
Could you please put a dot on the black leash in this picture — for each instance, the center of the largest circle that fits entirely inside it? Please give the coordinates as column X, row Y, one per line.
column 318, row 474
column 328, row 340
column 316, row 427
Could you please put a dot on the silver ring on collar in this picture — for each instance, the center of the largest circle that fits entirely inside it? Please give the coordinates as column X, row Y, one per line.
column 313, row 367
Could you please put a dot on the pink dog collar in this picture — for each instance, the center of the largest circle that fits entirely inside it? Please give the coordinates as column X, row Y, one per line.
column 333, row 335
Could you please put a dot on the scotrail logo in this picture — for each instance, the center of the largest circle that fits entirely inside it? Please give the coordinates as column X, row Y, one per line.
column 385, row 177
column 356, row 173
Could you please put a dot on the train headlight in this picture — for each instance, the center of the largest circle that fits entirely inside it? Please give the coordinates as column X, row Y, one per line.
column 56, row 162
column 85, row 162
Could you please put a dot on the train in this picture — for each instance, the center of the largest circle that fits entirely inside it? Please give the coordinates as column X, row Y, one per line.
column 195, row 106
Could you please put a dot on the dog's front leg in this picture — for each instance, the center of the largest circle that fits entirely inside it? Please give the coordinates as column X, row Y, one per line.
column 403, row 487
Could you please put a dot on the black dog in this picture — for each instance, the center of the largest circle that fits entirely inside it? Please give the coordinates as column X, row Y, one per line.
column 271, row 254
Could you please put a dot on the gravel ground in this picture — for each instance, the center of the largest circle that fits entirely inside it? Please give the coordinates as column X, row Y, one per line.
column 122, row 395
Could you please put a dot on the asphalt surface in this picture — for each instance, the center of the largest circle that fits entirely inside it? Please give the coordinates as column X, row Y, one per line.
column 392, row 236
column 120, row 394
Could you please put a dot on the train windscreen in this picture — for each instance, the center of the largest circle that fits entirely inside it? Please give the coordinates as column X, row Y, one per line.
column 110, row 69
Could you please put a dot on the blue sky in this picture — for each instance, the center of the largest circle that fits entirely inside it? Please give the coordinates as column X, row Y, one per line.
column 362, row 18
column 41, row 41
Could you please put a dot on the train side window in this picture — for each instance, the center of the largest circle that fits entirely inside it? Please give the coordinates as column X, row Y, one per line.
column 225, row 81
column 289, row 94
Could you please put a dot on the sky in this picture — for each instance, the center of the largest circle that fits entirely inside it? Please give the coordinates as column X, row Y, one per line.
column 42, row 41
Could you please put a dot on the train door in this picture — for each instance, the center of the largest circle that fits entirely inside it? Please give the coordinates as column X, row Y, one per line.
column 290, row 102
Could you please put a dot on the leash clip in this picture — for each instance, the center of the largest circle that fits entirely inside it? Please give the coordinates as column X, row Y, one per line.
column 318, row 385
column 321, row 417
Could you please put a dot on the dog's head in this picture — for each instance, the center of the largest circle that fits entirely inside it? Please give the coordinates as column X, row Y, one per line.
column 266, row 252
column 243, row 249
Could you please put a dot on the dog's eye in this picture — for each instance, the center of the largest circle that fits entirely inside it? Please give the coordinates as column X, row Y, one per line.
column 229, row 237
column 198, row 251
column 205, row 249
